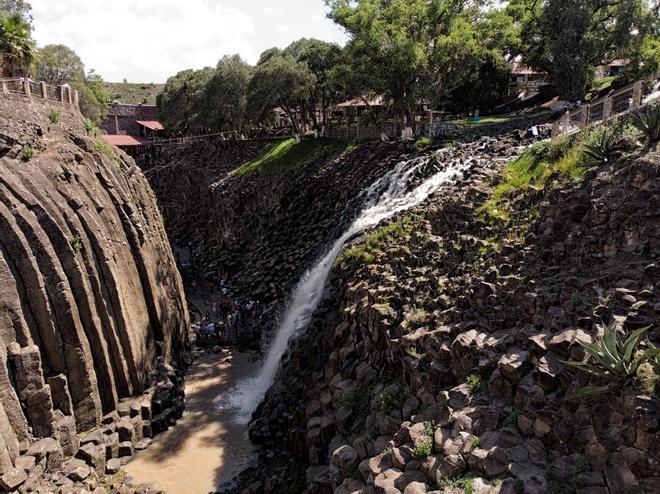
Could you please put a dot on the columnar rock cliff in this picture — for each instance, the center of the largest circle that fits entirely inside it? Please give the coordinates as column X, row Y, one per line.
column 91, row 301
column 439, row 363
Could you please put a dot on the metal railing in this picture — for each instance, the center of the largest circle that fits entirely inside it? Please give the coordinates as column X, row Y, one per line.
column 39, row 89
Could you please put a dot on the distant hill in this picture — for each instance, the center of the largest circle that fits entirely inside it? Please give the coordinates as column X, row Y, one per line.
column 134, row 93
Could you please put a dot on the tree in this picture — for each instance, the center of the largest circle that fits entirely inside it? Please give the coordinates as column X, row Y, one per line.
column 20, row 8
column 92, row 96
column 411, row 50
column 58, row 64
column 320, row 57
column 570, row 38
column 226, row 94
column 17, row 47
column 182, row 103
column 281, row 81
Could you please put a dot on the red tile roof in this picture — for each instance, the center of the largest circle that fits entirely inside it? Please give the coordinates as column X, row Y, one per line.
column 123, row 140
column 151, row 124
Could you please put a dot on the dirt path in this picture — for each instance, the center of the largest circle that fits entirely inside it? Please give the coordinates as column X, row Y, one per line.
column 205, row 448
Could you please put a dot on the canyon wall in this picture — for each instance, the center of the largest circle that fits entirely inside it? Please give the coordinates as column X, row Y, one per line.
column 261, row 229
column 92, row 305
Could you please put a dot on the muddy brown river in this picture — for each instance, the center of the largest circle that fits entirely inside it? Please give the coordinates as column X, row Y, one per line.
column 207, row 447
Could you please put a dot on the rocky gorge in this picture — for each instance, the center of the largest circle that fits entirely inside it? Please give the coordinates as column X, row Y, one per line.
column 438, row 363
column 93, row 318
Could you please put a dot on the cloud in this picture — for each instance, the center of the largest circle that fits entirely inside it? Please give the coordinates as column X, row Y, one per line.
column 153, row 38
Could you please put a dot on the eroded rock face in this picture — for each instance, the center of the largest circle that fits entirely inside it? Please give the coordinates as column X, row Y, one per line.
column 91, row 301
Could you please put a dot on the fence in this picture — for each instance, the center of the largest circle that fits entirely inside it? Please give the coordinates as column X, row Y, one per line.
column 63, row 94
column 621, row 102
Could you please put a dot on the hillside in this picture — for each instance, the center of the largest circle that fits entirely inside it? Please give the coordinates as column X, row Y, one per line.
column 133, row 93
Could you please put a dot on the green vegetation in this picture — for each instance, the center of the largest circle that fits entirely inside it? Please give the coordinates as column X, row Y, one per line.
column 54, row 116
column 474, row 382
column 599, row 149
column 614, row 359
column 512, row 418
column 648, row 122
column 423, row 143
column 476, row 441
column 423, row 449
column 76, row 243
column 104, row 148
column 28, row 153
column 467, row 484
column 371, row 245
column 559, row 158
column 391, row 398
column 133, row 94
column 17, row 47
column 285, row 155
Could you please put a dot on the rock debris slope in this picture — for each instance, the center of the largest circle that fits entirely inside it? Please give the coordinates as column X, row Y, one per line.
column 91, row 300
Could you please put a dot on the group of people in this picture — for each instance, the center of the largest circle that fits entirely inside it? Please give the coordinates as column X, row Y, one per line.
column 227, row 321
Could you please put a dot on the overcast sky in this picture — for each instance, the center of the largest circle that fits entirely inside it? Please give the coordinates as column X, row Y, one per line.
column 150, row 40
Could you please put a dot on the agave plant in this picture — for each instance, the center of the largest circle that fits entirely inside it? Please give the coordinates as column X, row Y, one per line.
column 601, row 148
column 648, row 122
column 614, row 359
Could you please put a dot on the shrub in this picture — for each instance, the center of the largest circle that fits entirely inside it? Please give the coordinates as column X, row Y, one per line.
column 614, row 359
column 476, row 441
column 467, row 484
column 54, row 116
column 28, row 153
column 76, row 243
column 600, row 147
column 90, row 125
column 424, row 449
column 474, row 382
column 391, row 398
column 648, row 122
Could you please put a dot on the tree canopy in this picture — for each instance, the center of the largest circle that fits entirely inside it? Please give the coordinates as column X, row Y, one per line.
column 280, row 81
column 17, row 47
column 226, row 94
column 182, row 103
column 58, row 64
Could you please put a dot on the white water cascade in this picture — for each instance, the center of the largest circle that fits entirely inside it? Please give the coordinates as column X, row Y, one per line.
column 388, row 196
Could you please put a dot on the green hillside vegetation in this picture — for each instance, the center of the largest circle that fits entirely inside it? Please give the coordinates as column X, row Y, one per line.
column 133, row 93
column 286, row 155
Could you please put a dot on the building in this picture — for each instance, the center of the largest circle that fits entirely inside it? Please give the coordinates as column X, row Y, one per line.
column 525, row 81
column 123, row 119
column 132, row 128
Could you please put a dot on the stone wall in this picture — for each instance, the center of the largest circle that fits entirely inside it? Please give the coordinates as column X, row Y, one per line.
column 92, row 309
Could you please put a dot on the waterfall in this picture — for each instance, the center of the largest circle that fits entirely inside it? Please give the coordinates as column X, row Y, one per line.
column 388, row 196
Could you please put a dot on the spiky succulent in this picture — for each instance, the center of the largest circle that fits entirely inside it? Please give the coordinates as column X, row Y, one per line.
column 648, row 122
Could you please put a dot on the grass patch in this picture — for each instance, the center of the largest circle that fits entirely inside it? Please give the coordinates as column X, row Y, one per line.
column 366, row 250
column 423, row 143
column 28, row 153
column 424, row 449
column 54, row 116
column 287, row 155
column 103, row 147
column 560, row 158
column 467, row 484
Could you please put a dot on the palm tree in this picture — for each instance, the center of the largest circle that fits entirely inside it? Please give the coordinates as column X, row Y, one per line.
column 17, row 48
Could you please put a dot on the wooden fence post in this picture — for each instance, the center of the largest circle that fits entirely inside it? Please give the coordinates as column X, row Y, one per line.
column 61, row 94
column 76, row 100
column 584, row 118
column 5, row 89
column 44, row 90
column 26, row 88
column 607, row 108
column 638, row 94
